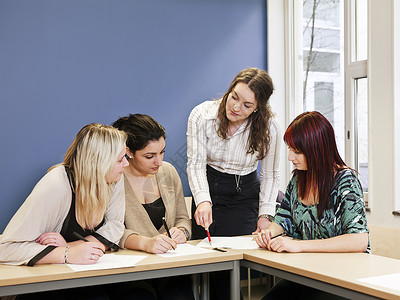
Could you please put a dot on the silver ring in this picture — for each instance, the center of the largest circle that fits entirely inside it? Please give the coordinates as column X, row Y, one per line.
column 92, row 256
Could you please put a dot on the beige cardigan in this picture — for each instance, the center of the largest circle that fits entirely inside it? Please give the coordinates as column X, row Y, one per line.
column 137, row 221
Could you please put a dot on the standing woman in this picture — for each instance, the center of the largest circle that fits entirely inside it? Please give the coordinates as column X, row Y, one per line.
column 225, row 139
column 323, row 208
column 153, row 190
column 83, row 195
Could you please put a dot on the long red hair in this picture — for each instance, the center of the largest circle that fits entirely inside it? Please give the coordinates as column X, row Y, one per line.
column 311, row 134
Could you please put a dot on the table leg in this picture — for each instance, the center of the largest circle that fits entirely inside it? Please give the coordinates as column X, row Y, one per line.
column 205, row 287
column 235, row 281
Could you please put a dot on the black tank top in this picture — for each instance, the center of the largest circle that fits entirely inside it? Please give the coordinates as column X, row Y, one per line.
column 156, row 210
column 70, row 224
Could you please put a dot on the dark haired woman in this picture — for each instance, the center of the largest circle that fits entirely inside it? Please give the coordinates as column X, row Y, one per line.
column 323, row 209
column 153, row 190
column 226, row 138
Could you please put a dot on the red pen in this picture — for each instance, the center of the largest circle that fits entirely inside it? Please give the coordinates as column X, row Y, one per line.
column 209, row 237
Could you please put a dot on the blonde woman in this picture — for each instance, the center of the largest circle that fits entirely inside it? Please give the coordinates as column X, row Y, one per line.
column 83, row 196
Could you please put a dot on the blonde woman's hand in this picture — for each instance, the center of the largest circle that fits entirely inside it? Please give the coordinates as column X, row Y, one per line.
column 203, row 214
column 85, row 253
column 52, row 239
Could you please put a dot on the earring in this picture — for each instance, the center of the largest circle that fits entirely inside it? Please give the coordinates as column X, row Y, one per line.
column 255, row 111
column 127, row 156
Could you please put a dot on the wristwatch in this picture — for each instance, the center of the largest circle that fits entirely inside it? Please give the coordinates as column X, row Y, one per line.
column 269, row 217
column 185, row 232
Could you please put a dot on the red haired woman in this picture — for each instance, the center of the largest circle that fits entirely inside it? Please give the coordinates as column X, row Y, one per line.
column 323, row 209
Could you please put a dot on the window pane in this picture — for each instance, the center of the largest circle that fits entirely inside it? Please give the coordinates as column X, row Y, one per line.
column 362, row 130
column 361, row 29
column 323, row 56
column 323, row 38
column 321, row 61
column 327, row 12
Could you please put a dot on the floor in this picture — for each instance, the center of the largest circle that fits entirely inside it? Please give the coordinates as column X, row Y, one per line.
column 259, row 287
column 256, row 292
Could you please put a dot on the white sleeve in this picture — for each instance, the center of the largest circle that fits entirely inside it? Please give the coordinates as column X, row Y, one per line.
column 44, row 210
column 197, row 156
column 113, row 227
column 269, row 174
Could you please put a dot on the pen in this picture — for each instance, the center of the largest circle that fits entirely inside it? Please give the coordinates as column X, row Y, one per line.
column 219, row 249
column 209, row 237
column 79, row 236
column 166, row 228
column 282, row 233
column 82, row 238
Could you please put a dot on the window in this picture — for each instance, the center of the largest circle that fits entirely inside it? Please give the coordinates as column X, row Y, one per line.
column 357, row 90
column 322, row 62
column 361, row 138
column 371, row 65
column 332, row 66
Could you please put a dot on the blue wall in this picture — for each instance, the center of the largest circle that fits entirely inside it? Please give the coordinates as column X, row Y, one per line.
column 67, row 63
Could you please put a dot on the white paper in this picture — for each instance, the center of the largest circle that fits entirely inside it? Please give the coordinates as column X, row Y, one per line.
column 234, row 242
column 390, row 281
column 185, row 249
column 110, row 261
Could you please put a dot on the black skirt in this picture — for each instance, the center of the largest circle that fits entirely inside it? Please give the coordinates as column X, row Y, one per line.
column 234, row 212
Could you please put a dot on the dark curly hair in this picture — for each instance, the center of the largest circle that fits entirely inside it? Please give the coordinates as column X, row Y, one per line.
column 261, row 85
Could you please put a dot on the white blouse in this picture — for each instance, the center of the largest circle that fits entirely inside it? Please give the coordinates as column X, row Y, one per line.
column 204, row 146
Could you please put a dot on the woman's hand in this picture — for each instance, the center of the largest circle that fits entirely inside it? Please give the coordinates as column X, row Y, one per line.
column 85, row 253
column 283, row 244
column 262, row 223
column 263, row 237
column 177, row 235
column 203, row 214
column 159, row 244
column 52, row 239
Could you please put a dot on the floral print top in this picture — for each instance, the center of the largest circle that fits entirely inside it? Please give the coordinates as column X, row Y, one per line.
column 346, row 212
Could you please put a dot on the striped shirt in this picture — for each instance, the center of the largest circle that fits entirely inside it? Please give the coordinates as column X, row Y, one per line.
column 204, row 146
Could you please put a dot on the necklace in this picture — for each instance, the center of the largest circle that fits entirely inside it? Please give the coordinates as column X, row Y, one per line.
column 237, row 180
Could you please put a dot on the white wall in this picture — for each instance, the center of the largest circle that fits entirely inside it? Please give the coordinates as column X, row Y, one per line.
column 276, row 68
column 381, row 112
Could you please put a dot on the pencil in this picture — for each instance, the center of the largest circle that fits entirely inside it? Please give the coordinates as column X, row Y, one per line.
column 219, row 249
column 209, row 237
column 79, row 236
column 82, row 238
column 167, row 229
column 282, row 233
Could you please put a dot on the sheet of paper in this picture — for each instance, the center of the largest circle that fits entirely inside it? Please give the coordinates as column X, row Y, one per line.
column 390, row 281
column 110, row 261
column 185, row 249
column 235, row 242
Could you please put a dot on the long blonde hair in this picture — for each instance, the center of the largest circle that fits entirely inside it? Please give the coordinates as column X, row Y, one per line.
column 90, row 158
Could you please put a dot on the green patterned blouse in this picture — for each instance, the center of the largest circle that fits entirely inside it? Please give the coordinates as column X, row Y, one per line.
column 346, row 213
